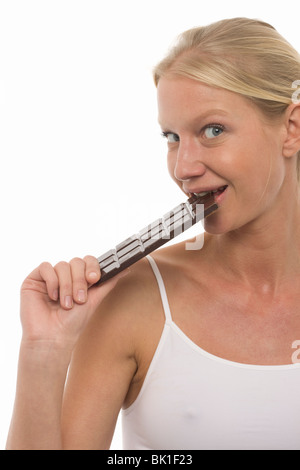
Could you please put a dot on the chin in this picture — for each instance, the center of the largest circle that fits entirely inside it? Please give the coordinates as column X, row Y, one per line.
column 214, row 225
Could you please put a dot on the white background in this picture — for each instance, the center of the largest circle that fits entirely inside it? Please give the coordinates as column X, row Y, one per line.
column 82, row 161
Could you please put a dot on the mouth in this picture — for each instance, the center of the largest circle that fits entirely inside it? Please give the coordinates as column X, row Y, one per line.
column 209, row 194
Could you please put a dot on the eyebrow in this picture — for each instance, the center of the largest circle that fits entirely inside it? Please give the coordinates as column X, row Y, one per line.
column 204, row 115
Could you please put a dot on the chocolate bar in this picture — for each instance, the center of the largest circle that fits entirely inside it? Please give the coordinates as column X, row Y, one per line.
column 155, row 235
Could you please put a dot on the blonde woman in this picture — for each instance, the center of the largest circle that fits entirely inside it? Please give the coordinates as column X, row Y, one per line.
column 195, row 346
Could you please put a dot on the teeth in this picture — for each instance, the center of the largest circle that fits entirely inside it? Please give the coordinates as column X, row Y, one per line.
column 204, row 193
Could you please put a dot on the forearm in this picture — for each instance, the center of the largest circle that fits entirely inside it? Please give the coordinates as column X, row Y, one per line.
column 36, row 420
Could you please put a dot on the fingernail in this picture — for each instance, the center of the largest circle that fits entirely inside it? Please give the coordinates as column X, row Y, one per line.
column 55, row 294
column 68, row 301
column 81, row 296
column 93, row 276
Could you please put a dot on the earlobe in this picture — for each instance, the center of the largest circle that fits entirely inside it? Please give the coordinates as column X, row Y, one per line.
column 291, row 144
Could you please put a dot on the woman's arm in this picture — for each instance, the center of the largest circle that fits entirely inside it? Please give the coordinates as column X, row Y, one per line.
column 56, row 305
column 104, row 365
column 35, row 423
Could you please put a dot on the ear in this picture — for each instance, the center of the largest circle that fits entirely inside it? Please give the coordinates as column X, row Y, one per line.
column 291, row 144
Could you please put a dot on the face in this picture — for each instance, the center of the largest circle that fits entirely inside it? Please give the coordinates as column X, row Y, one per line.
column 219, row 139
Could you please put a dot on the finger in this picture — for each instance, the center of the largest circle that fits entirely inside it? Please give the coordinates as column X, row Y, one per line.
column 44, row 280
column 80, row 284
column 63, row 271
column 92, row 270
column 49, row 276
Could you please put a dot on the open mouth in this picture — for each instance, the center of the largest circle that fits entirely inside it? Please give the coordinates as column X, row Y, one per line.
column 214, row 193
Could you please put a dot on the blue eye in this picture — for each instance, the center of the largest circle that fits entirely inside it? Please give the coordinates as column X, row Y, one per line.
column 171, row 138
column 213, row 130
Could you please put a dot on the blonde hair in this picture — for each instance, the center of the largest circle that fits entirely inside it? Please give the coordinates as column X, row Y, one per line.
column 241, row 55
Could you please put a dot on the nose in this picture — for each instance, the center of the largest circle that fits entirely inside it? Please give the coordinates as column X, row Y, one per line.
column 189, row 163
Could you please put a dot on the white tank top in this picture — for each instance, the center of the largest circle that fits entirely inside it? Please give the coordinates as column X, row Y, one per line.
column 191, row 399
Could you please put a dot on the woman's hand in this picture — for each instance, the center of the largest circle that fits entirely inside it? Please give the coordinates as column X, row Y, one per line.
column 57, row 302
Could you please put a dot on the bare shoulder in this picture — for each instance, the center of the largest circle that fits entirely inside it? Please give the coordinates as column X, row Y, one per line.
column 133, row 295
column 127, row 310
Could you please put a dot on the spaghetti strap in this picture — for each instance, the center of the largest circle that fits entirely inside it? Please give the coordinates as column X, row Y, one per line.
column 162, row 288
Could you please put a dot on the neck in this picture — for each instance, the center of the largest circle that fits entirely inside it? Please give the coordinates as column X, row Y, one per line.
column 265, row 252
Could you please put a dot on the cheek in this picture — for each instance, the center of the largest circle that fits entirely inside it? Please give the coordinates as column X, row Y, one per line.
column 250, row 161
column 261, row 181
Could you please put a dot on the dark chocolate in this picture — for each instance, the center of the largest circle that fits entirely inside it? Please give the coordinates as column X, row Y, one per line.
column 155, row 235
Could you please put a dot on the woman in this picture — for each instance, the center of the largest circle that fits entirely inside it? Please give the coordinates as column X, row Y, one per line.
column 195, row 346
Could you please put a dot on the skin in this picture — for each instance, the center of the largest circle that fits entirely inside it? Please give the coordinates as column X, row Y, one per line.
column 238, row 297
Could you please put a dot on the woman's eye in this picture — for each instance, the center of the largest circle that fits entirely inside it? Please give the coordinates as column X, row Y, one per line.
column 171, row 138
column 213, row 131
